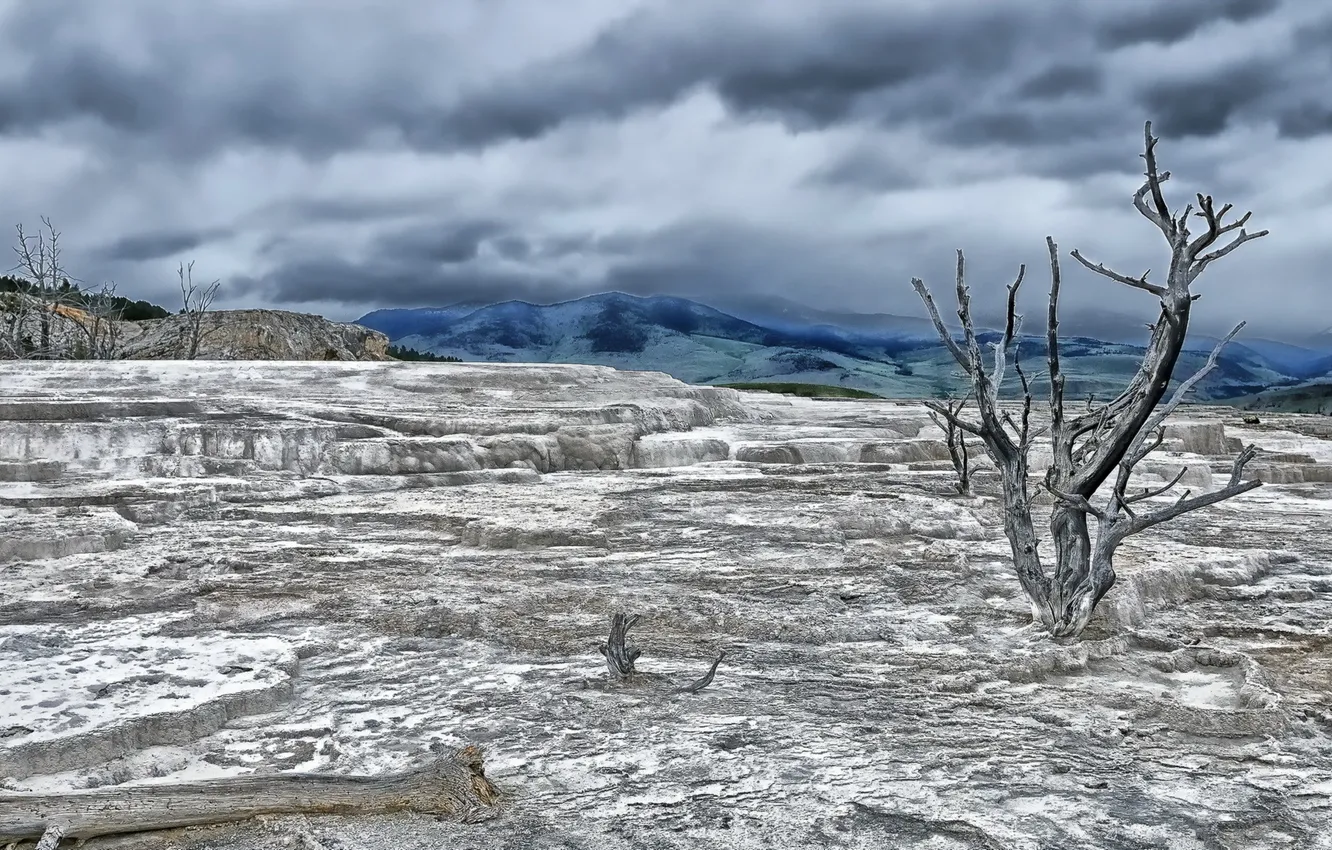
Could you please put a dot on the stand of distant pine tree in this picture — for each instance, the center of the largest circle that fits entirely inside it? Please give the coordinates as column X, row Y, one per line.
column 122, row 308
column 402, row 352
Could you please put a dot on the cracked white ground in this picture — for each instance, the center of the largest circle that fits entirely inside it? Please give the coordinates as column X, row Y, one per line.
column 219, row 568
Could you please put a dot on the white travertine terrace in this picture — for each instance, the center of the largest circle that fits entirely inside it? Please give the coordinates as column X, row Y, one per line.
column 212, row 568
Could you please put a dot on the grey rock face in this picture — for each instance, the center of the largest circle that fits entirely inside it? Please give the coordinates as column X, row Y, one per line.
column 223, row 335
column 214, row 567
column 255, row 335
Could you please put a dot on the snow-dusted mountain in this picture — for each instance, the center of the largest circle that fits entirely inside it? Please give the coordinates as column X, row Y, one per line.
column 889, row 355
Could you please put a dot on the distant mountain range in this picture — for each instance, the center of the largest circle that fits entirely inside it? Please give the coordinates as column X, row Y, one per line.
column 776, row 340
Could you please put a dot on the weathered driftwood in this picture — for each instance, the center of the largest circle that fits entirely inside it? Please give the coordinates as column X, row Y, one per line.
column 454, row 786
column 620, row 655
column 1103, row 441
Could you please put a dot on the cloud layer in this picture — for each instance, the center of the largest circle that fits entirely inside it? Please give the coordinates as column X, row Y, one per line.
column 342, row 157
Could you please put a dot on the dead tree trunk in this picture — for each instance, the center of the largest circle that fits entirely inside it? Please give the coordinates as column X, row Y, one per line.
column 1108, row 440
column 40, row 264
column 455, row 786
column 956, row 441
column 50, row 319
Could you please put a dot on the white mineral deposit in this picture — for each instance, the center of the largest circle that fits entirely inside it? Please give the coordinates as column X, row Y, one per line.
column 238, row 572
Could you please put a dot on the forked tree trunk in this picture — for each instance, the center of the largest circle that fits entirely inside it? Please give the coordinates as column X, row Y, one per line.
column 455, row 786
column 1107, row 441
column 955, row 441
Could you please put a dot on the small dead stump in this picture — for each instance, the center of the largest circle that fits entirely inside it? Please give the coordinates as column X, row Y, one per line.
column 620, row 655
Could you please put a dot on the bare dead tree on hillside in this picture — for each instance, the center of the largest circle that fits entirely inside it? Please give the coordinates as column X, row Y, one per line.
column 32, row 320
column 47, row 317
column 1105, row 440
column 955, row 439
column 198, row 300
column 101, row 324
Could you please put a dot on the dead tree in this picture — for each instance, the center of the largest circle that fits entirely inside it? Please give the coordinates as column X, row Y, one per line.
column 955, row 439
column 454, row 786
column 100, row 323
column 198, row 300
column 1105, row 441
column 47, row 317
column 34, row 324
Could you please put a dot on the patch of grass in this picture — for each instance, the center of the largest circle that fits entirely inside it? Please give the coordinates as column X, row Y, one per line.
column 805, row 390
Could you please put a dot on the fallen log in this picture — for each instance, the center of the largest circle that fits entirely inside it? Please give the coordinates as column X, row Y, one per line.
column 454, row 786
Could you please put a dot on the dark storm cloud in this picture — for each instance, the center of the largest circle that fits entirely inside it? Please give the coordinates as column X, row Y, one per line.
column 448, row 244
column 346, row 210
column 424, row 154
column 848, row 63
column 1063, row 80
column 1023, row 128
column 867, row 169
column 819, row 78
column 155, row 245
column 1316, row 36
column 1088, row 158
column 1305, row 121
column 1205, row 106
column 61, row 84
column 376, row 284
column 1174, row 21
column 809, row 72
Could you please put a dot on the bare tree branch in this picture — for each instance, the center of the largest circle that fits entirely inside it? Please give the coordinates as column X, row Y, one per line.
column 954, row 418
column 955, row 440
column 939, row 326
column 1052, row 340
column 706, row 679
column 1148, row 493
column 1154, row 182
column 1207, row 259
column 1186, row 386
column 1185, row 505
column 1135, row 282
column 1081, row 503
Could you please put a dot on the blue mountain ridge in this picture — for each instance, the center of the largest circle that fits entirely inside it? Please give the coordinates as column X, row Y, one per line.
column 890, row 355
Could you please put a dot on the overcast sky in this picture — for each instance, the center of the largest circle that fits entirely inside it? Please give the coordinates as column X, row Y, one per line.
column 335, row 156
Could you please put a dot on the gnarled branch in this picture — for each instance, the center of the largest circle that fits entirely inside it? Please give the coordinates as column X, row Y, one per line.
column 706, row 679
